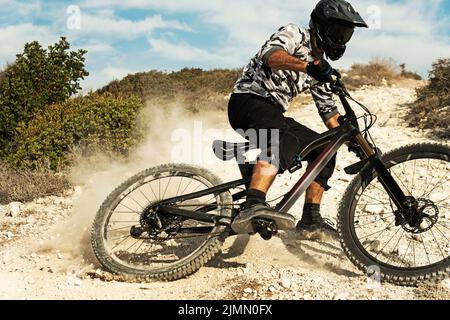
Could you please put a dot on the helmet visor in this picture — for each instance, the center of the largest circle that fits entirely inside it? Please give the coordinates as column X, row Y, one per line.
column 339, row 34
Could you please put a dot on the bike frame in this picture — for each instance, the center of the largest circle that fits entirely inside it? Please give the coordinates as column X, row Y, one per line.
column 331, row 141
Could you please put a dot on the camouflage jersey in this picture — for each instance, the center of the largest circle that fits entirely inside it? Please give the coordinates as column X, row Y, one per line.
column 283, row 85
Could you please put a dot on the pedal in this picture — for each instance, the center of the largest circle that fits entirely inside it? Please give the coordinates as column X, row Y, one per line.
column 265, row 227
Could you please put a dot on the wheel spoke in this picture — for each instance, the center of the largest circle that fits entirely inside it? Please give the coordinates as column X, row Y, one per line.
column 118, row 244
column 398, row 229
column 129, row 208
column 121, row 228
column 426, row 252
column 407, row 248
column 414, row 173
column 437, row 244
column 170, row 178
column 150, row 186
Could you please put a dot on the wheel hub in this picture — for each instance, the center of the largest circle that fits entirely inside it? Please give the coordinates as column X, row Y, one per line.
column 418, row 216
column 158, row 227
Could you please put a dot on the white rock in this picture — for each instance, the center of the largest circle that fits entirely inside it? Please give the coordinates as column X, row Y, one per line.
column 307, row 296
column 59, row 255
column 248, row 290
column 446, row 284
column 340, row 296
column 285, row 282
column 272, row 289
column 9, row 235
column 13, row 209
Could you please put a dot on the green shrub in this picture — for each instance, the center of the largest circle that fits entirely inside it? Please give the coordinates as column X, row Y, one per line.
column 431, row 110
column 38, row 78
column 85, row 122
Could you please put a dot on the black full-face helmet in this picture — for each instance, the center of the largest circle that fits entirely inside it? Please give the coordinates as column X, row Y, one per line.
column 333, row 22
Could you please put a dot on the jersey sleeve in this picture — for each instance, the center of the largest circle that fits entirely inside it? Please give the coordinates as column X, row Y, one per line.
column 323, row 97
column 288, row 38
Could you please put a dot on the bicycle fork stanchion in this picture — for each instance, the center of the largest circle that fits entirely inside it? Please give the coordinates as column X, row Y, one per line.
column 384, row 176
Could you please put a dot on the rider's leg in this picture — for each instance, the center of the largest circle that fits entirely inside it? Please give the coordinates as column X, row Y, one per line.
column 314, row 193
column 311, row 218
column 263, row 176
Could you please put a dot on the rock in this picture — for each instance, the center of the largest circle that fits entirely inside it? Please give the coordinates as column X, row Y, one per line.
column 59, row 255
column 446, row 284
column 375, row 209
column 340, row 296
column 248, row 290
column 285, row 283
column 9, row 235
column 307, row 296
column 272, row 289
column 13, row 209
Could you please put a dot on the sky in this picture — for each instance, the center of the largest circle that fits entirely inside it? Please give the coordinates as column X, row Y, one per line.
column 128, row 36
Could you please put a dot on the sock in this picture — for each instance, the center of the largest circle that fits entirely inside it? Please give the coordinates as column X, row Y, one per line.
column 254, row 197
column 310, row 212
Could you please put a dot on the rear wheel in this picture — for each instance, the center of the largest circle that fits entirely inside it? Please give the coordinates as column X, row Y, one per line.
column 372, row 231
column 130, row 238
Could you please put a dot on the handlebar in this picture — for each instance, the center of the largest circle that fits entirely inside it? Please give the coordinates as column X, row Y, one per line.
column 338, row 87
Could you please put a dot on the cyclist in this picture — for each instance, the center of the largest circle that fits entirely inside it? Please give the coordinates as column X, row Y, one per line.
column 290, row 62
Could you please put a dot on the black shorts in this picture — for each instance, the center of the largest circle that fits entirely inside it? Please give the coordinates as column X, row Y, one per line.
column 247, row 111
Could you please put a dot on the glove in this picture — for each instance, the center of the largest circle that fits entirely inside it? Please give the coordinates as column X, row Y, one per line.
column 320, row 70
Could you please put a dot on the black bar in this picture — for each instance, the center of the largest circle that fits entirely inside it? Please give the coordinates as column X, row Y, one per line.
column 388, row 182
column 199, row 216
column 217, row 189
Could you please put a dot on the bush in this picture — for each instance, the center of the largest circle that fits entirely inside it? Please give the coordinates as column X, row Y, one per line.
column 194, row 88
column 26, row 185
column 431, row 110
column 38, row 78
column 372, row 73
column 83, row 122
column 409, row 74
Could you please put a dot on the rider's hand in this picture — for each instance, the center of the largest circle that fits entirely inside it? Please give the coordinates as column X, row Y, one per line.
column 320, row 70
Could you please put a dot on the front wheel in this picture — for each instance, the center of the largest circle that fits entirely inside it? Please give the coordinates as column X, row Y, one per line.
column 371, row 231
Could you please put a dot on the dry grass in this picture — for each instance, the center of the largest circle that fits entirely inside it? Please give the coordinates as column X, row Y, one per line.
column 26, row 185
column 376, row 72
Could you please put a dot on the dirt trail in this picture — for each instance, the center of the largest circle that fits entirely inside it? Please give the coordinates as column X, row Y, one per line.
column 44, row 252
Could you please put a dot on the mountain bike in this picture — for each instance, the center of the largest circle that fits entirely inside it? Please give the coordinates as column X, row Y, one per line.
column 167, row 222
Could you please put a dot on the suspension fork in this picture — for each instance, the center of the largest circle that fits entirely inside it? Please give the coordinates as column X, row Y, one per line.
column 384, row 176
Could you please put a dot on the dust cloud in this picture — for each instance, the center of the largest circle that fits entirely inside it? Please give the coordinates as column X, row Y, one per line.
column 174, row 135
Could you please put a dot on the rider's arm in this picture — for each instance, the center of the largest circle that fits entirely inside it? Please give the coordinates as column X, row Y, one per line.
column 279, row 51
column 281, row 60
column 323, row 98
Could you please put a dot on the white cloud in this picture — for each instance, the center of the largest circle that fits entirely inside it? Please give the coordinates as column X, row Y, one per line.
column 101, row 77
column 14, row 38
column 180, row 51
column 106, row 24
column 22, row 8
column 97, row 47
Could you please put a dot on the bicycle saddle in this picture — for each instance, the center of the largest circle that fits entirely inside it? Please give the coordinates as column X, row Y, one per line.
column 228, row 150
